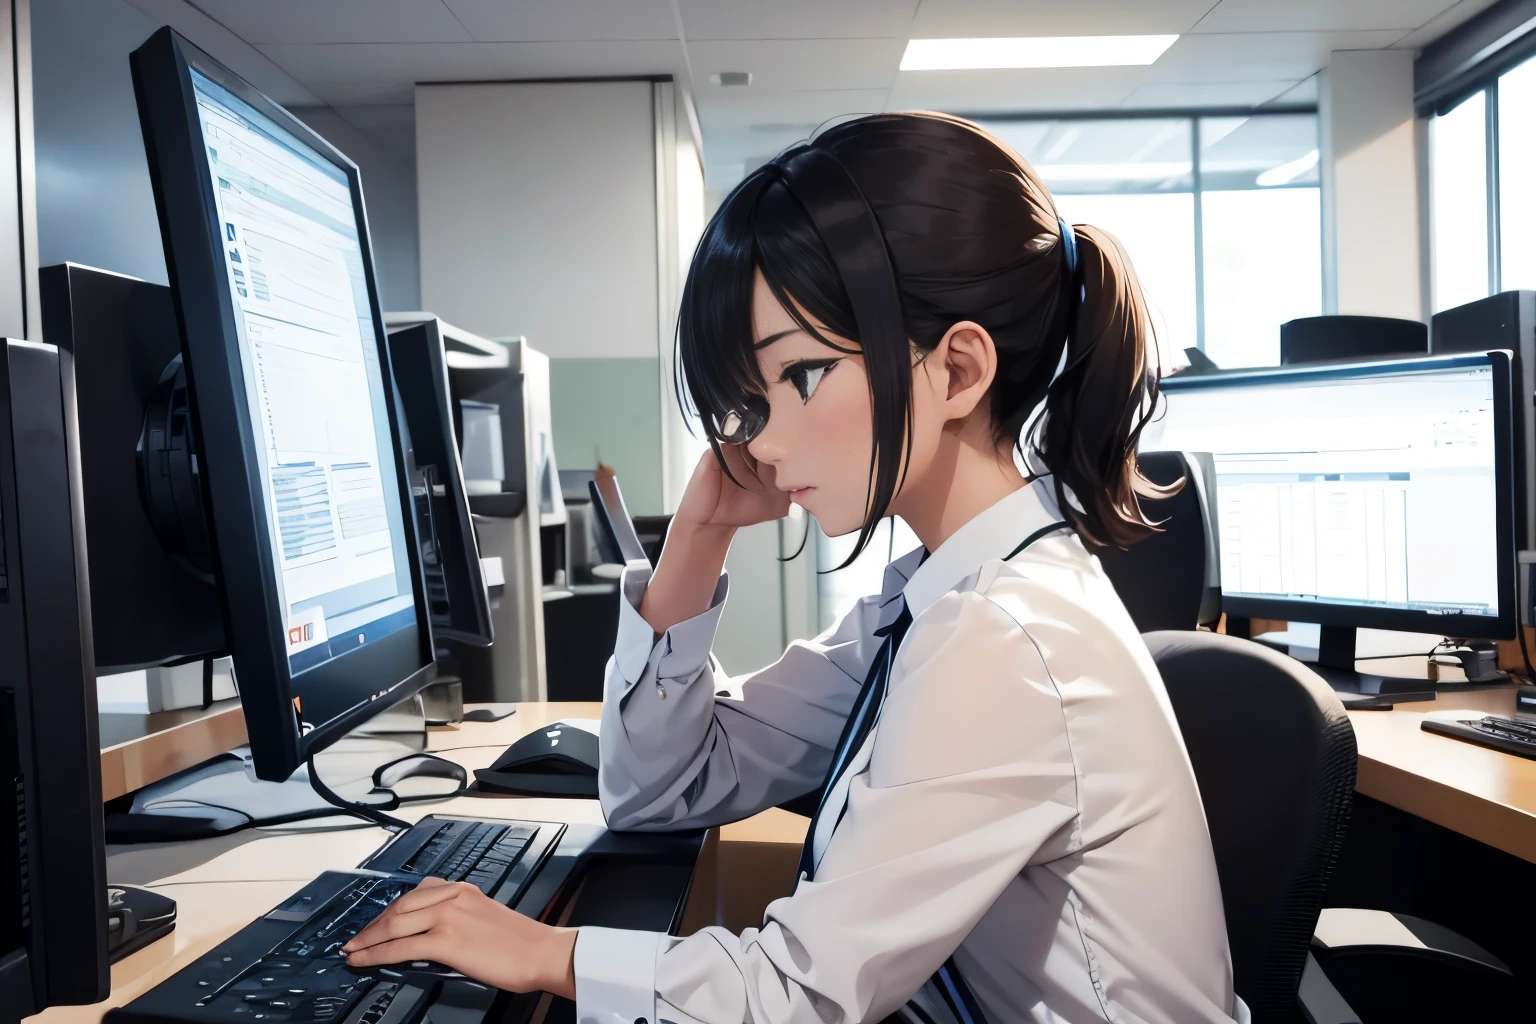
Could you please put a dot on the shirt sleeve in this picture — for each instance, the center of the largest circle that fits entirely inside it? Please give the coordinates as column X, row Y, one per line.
column 970, row 779
column 685, row 746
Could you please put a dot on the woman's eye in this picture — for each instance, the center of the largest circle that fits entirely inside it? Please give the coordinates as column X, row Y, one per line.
column 806, row 378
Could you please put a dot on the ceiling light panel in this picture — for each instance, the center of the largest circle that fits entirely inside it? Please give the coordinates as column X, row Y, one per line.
column 1033, row 52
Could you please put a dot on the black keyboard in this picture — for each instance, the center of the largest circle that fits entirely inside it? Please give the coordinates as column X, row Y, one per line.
column 1511, row 735
column 286, row 967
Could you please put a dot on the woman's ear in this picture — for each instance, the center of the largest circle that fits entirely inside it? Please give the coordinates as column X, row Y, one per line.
column 970, row 362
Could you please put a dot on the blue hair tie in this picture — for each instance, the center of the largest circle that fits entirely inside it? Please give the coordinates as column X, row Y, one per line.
column 1069, row 241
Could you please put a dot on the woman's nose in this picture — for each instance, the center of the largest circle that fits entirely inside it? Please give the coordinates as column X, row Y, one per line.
column 766, row 446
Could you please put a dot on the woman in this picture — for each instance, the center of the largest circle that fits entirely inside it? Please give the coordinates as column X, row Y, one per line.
column 1008, row 825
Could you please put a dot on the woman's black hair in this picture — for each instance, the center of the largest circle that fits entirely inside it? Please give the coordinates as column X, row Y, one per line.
column 888, row 230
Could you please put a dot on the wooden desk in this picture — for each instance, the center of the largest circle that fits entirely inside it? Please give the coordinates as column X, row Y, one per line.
column 137, row 750
column 1482, row 793
column 220, row 885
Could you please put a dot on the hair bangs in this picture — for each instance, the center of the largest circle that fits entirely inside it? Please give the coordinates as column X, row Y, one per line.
column 717, row 364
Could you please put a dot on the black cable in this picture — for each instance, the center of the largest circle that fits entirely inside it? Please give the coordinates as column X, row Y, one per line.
column 363, row 811
column 207, row 683
column 1525, row 653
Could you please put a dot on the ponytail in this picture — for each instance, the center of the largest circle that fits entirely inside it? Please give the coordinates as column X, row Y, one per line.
column 1097, row 406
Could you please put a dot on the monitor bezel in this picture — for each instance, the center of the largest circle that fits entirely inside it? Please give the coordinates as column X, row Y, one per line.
column 419, row 347
column 359, row 683
column 1489, row 627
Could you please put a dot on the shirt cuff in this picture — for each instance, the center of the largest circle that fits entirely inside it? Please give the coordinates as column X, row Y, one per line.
column 681, row 651
column 616, row 976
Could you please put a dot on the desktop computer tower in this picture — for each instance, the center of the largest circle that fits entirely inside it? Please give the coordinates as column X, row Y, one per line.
column 53, row 910
column 1328, row 338
column 1506, row 321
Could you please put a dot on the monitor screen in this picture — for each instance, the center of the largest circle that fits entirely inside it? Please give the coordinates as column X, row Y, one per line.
column 1368, row 488
column 314, row 383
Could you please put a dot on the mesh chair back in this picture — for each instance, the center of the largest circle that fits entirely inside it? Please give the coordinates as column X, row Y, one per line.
column 1274, row 756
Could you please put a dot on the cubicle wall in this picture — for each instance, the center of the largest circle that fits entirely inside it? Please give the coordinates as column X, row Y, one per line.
column 561, row 211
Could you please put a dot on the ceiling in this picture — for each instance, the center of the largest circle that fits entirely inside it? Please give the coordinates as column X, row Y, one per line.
column 810, row 60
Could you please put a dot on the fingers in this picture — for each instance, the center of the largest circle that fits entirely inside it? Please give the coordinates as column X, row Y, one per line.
column 428, row 892
column 745, row 468
column 431, row 892
column 388, row 927
column 414, row 947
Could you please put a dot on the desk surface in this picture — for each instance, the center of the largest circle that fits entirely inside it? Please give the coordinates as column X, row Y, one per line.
column 220, row 885
column 1482, row 793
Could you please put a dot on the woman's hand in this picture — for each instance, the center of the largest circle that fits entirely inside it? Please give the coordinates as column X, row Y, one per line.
column 459, row 926
column 712, row 500
column 711, row 511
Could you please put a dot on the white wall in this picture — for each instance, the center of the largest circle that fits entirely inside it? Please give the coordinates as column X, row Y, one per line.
column 1371, row 206
column 94, row 202
column 538, row 213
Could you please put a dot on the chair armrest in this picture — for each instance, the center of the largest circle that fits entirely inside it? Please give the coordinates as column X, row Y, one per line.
column 1320, row 1001
column 1347, row 932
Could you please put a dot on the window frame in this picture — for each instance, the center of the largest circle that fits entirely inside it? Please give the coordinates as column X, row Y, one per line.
column 1194, row 116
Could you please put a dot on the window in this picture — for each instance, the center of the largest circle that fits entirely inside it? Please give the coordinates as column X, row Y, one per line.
column 1458, row 174
column 1517, row 178
column 1261, row 231
column 1227, row 246
column 1482, row 160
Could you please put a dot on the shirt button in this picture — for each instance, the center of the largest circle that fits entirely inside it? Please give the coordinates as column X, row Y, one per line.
column 661, row 694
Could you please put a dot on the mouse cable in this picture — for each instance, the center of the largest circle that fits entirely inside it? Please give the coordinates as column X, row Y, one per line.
column 352, row 807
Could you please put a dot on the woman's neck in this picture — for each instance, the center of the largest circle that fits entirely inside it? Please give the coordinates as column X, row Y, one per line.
column 968, row 475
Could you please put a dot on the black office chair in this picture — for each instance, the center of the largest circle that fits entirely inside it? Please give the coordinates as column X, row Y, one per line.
column 1274, row 756
column 1168, row 580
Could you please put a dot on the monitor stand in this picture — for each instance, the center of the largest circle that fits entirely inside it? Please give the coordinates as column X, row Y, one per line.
column 1336, row 664
column 135, row 918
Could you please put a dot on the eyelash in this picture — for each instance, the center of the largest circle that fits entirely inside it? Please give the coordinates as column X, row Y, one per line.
column 799, row 376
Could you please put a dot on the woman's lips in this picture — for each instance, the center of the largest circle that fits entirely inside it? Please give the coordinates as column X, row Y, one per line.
column 798, row 494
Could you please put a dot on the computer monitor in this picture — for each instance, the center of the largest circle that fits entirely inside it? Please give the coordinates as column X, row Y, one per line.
column 53, row 896
column 154, row 596
column 458, row 602
column 1375, row 495
column 295, row 430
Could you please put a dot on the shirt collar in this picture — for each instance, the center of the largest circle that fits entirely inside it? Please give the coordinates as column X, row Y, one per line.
column 896, row 575
column 991, row 534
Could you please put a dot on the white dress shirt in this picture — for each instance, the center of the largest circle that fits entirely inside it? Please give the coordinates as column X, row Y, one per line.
column 1025, row 803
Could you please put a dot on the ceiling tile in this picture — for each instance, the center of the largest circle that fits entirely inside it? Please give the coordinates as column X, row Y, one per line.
column 238, row 55
column 796, row 19
column 962, row 19
column 377, row 73
column 1255, row 56
column 405, row 62
column 1174, row 95
column 1015, row 90
column 494, row 21
column 582, row 58
column 386, row 73
column 1320, row 15
column 1442, row 23
column 784, row 108
column 337, row 21
column 1304, row 91
column 797, row 64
